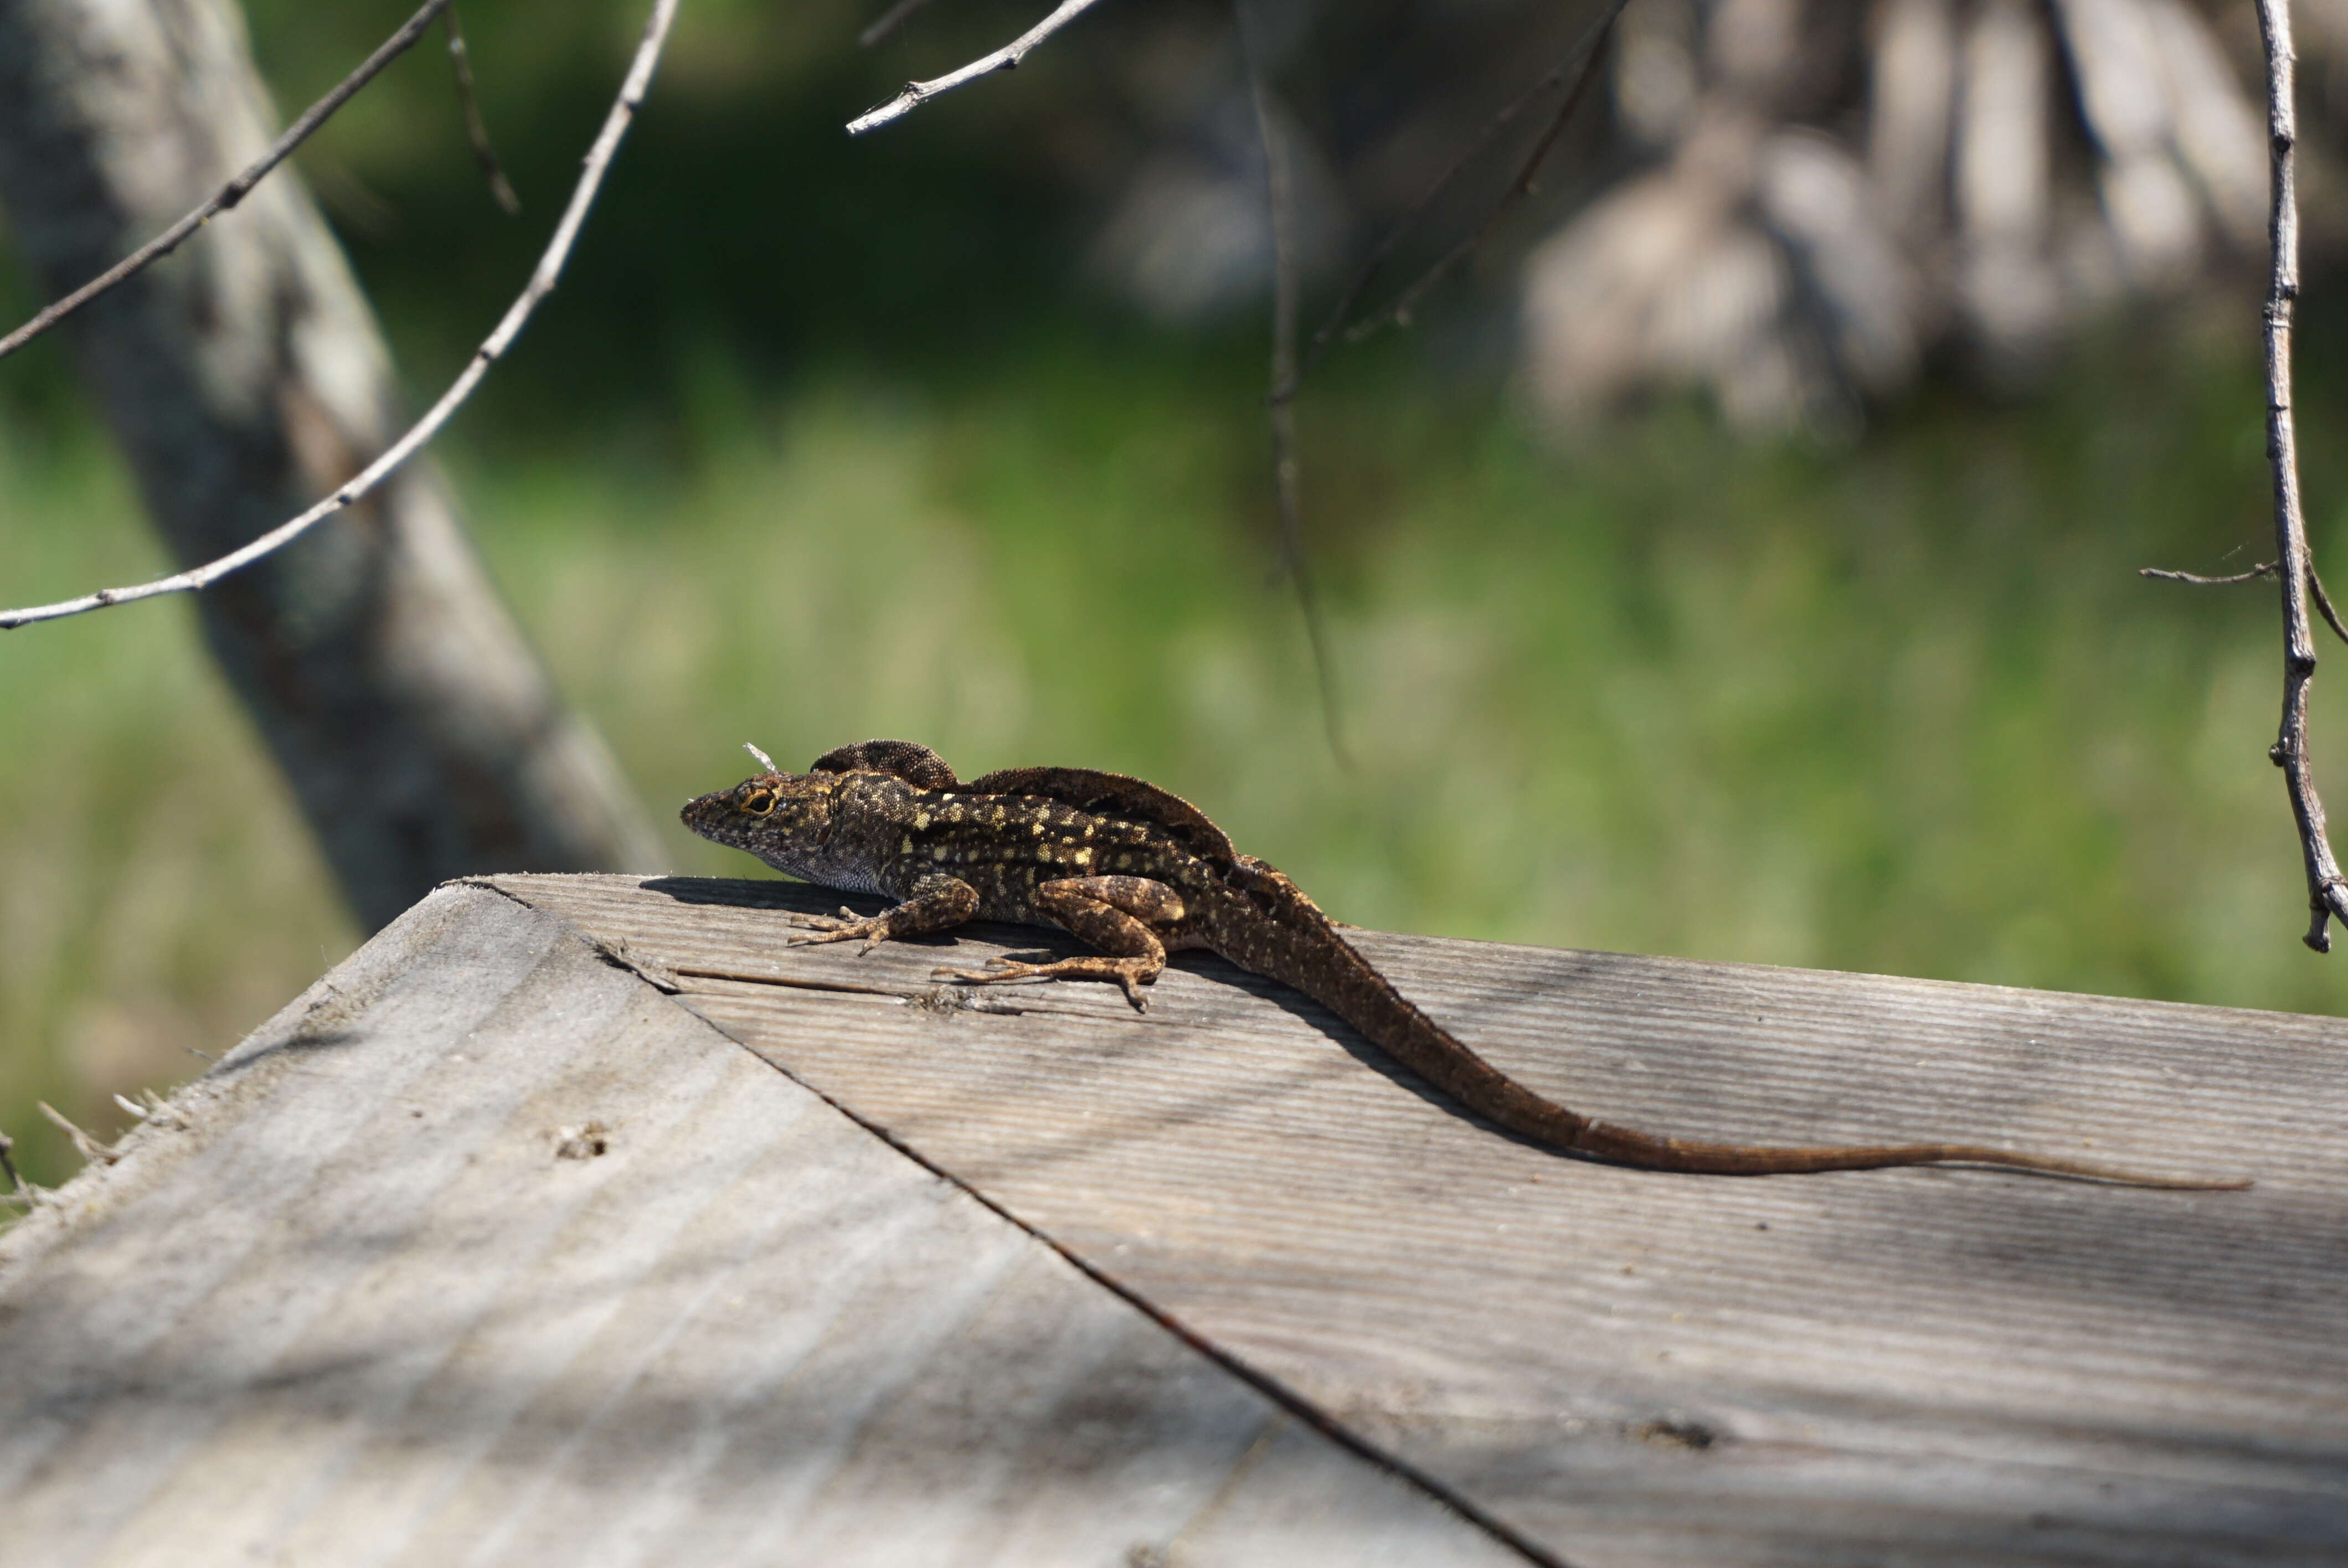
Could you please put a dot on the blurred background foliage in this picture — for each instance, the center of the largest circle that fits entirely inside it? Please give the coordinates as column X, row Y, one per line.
column 826, row 439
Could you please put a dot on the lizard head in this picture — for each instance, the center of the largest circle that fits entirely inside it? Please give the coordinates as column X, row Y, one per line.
column 770, row 815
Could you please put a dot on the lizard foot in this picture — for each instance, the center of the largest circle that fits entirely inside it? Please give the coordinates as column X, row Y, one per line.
column 1129, row 973
column 847, row 926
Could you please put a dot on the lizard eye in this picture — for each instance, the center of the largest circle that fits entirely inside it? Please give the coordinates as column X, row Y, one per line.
column 758, row 802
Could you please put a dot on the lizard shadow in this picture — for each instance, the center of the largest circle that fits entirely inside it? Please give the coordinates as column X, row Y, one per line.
column 1039, row 942
column 1368, row 1053
column 759, row 893
column 1043, row 943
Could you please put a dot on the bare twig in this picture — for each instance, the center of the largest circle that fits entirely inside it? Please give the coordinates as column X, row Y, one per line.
column 2327, row 895
column 2323, row 603
column 1006, row 58
column 891, row 20
column 238, row 188
column 476, row 131
column 1280, row 194
column 1580, row 65
column 91, row 1150
column 2264, row 569
column 541, row 283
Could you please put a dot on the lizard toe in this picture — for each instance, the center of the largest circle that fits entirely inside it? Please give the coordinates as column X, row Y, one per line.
column 840, row 931
column 998, row 969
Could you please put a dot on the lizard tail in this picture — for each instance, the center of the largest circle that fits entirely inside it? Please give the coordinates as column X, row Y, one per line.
column 1297, row 946
column 1621, row 1146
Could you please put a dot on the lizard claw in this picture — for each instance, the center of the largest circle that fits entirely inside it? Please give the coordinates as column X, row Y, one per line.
column 872, row 932
column 999, row 970
column 995, row 973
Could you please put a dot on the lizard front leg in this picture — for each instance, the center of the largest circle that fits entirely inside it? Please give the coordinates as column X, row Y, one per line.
column 938, row 902
column 1121, row 915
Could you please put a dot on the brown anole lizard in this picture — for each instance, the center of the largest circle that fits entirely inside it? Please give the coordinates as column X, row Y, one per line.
column 1134, row 872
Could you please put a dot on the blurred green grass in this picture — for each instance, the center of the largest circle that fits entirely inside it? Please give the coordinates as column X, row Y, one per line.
column 1898, row 707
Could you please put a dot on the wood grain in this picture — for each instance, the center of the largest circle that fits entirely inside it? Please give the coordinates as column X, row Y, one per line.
column 358, row 1308
column 1922, row 1367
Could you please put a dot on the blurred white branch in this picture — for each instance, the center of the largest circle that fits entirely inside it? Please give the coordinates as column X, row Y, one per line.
column 541, row 283
column 1006, row 58
column 237, row 188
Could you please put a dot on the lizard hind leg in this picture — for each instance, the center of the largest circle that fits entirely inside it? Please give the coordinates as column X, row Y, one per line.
column 1119, row 916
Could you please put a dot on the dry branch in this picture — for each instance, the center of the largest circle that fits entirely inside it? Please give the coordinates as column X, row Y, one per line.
column 241, row 186
column 1280, row 196
column 2294, row 566
column 2195, row 580
column 1288, row 370
column 2264, row 569
column 541, row 283
column 92, row 1151
column 2327, row 895
column 1006, row 58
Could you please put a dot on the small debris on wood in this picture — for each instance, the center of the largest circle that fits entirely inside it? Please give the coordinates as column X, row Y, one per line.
column 89, row 1148
column 961, row 998
column 1671, row 1433
column 583, row 1142
column 614, row 950
column 153, row 1108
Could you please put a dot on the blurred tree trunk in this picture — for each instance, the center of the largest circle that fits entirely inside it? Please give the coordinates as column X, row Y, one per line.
column 245, row 377
column 1832, row 190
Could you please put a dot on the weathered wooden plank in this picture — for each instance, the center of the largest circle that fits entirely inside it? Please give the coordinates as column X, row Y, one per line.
column 360, row 1308
column 1925, row 1367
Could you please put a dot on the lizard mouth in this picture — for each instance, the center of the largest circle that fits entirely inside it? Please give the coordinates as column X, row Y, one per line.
column 709, row 815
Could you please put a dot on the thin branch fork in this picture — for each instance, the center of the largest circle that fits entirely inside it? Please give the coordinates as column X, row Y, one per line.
column 2264, row 569
column 92, row 1151
column 1579, row 65
column 240, row 186
column 1280, row 195
column 1006, row 58
column 541, row 283
column 1288, row 369
column 2327, row 892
